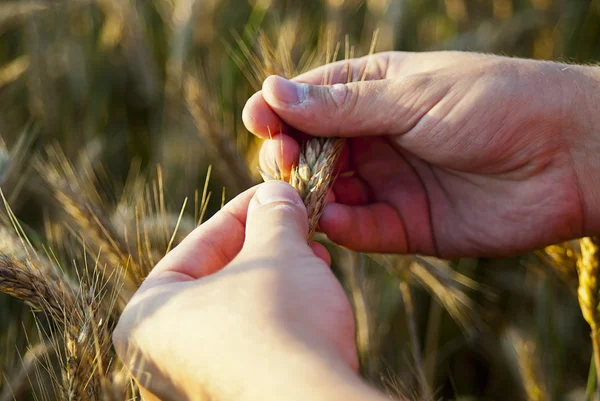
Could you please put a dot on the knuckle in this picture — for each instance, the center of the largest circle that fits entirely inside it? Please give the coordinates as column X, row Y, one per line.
column 280, row 217
column 336, row 96
column 283, row 211
column 343, row 99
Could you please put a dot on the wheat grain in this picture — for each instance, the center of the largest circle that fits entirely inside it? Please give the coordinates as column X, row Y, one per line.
column 314, row 175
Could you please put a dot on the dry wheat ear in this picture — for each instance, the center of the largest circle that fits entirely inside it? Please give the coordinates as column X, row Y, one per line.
column 313, row 176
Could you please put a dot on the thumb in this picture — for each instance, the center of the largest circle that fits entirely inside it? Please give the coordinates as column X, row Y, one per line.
column 276, row 220
column 352, row 109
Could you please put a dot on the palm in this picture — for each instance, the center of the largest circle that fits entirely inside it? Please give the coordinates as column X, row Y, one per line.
column 453, row 210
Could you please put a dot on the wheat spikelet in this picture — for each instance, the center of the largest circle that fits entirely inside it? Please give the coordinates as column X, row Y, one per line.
column 87, row 341
column 78, row 380
column 87, row 345
column 314, row 174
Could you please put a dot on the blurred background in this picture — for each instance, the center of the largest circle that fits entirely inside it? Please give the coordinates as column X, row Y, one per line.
column 115, row 93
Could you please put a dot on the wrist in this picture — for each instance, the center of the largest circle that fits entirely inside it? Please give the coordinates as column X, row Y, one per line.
column 291, row 373
column 314, row 377
column 582, row 130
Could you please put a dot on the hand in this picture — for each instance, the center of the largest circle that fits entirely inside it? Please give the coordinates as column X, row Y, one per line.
column 244, row 309
column 451, row 154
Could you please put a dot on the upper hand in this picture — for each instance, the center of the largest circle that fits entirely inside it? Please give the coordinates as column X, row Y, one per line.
column 450, row 154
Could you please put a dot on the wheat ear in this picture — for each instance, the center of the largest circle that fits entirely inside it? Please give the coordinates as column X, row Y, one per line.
column 588, row 291
column 313, row 176
column 19, row 280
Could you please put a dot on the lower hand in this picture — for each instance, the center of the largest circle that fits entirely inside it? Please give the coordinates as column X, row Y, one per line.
column 244, row 309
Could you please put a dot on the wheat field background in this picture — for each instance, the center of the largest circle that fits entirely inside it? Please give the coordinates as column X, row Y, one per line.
column 120, row 131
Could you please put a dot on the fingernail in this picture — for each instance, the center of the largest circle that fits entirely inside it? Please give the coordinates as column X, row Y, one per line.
column 277, row 191
column 289, row 92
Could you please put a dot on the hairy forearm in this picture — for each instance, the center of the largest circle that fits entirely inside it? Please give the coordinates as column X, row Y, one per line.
column 581, row 93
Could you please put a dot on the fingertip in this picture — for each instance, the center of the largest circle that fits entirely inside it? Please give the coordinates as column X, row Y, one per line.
column 282, row 93
column 371, row 228
column 279, row 153
column 259, row 118
column 269, row 88
column 277, row 217
column 321, row 252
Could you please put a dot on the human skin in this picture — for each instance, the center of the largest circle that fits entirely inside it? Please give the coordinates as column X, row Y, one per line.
column 450, row 154
column 243, row 309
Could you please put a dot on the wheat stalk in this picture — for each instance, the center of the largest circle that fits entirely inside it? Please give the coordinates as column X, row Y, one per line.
column 524, row 354
column 588, row 292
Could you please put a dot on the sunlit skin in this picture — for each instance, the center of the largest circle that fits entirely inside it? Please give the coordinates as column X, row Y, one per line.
column 244, row 309
column 448, row 154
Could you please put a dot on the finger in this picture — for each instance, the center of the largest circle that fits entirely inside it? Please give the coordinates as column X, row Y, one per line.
column 351, row 191
column 355, row 109
column 321, row 252
column 383, row 167
column 277, row 223
column 260, row 119
column 279, row 155
column 372, row 228
column 371, row 67
column 282, row 152
column 209, row 247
